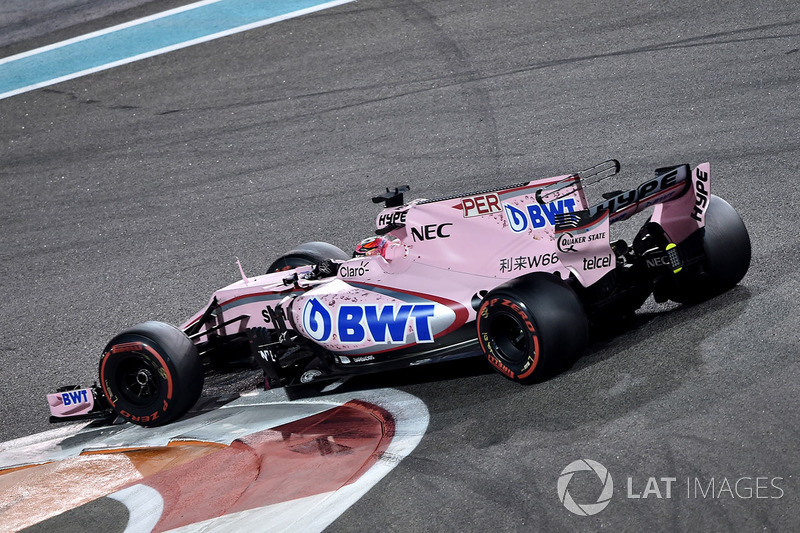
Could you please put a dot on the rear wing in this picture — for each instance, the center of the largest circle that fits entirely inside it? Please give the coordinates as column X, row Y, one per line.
column 677, row 211
column 570, row 184
column 669, row 183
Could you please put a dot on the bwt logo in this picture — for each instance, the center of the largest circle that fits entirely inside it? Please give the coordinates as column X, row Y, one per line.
column 537, row 216
column 585, row 465
column 357, row 323
column 75, row 397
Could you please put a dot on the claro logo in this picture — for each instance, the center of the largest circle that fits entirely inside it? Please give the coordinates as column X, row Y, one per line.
column 376, row 323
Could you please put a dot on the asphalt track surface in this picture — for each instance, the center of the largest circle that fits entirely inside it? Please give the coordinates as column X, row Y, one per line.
column 127, row 195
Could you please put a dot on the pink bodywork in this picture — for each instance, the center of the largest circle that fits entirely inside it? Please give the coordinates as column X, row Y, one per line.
column 430, row 274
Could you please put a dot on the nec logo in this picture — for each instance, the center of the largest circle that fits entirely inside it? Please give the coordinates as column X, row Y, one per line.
column 75, row 397
column 431, row 231
column 484, row 204
column 359, row 323
column 537, row 216
column 657, row 262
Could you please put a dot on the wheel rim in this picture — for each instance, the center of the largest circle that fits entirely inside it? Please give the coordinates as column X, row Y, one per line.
column 510, row 338
column 138, row 380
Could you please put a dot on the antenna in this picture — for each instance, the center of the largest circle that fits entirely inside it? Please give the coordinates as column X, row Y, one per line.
column 241, row 270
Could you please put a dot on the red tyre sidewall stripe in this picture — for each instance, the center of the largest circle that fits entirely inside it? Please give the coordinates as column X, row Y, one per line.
column 484, row 305
column 535, row 357
column 525, row 315
column 527, row 319
column 152, row 352
column 165, row 367
column 103, row 380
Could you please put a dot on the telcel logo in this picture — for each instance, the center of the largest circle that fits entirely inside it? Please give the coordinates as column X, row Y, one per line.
column 359, row 323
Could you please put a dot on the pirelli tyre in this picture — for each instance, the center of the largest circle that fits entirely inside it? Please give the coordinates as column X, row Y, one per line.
column 532, row 327
column 726, row 254
column 309, row 253
column 151, row 374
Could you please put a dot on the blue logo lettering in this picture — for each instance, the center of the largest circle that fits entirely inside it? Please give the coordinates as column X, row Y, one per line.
column 387, row 319
column 517, row 220
column 349, row 323
column 538, row 215
column 74, row 397
column 421, row 314
column 535, row 214
column 359, row 323
column 316, row 320
column 554, row 208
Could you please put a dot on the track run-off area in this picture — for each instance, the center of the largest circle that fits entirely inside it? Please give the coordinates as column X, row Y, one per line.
column 259, row 462
column 146, row 145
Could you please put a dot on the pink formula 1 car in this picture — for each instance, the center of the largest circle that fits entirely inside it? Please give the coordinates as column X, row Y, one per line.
column 516, row 274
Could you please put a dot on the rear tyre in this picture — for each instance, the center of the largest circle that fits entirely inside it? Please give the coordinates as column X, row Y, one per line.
column 532, row 327
column 726, row 256
column 151, row 374
column 310, row 253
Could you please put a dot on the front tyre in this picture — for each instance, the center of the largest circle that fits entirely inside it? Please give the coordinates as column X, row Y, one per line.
column 309, row 253
column 151, row 374
column 531, row 327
